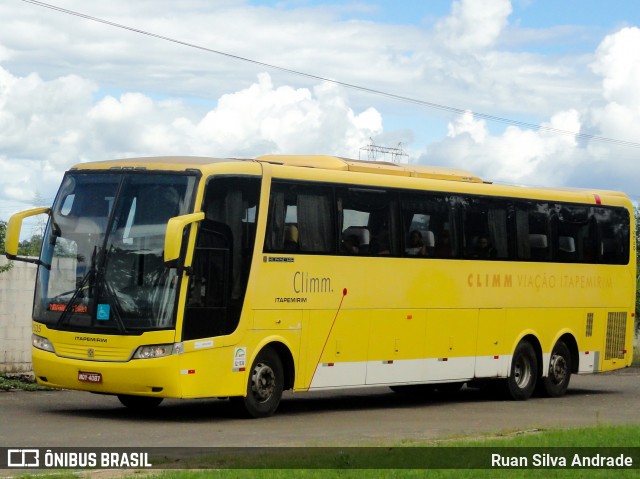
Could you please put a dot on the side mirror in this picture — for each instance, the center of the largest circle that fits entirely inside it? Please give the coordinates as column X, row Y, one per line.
column 173, row 236
column 12, row 237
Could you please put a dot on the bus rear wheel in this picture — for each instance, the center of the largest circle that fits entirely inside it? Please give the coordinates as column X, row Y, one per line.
column 264, row 386
column 139, row 403
column 556, row 382
column 524, row 372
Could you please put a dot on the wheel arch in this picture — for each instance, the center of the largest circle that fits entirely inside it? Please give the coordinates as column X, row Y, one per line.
column 283, row 351
column 570, row 340
column 532, row 339
column 288, row 365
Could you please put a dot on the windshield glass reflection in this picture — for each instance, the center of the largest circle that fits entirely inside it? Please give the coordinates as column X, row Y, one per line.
column 103, row 252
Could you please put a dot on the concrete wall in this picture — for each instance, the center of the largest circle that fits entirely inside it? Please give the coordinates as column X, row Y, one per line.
column 16, row 301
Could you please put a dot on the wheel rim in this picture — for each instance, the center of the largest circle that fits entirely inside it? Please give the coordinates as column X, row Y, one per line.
column 263, row 382
column 557, row 368
column 522, row 373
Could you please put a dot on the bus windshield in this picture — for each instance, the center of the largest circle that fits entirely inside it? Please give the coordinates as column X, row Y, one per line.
column 102, row 263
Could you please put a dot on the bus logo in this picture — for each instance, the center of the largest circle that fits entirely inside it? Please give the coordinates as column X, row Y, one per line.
column 278, row 259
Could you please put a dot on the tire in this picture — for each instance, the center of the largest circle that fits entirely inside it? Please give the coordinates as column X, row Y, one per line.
column 139, row 403
column 523, row 374
column 264, row 385
column 556, row 382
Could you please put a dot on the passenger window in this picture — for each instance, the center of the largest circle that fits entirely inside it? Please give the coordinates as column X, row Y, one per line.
column 613, row 234
column 576, row 234
column 300, row 219
column 429, row 226
column 368, row 224
column 533, row 231
column 485, row 231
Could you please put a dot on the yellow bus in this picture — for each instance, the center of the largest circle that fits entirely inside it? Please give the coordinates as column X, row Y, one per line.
column 187, row 277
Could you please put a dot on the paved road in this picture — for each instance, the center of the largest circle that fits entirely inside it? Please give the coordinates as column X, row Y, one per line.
column 357, row 417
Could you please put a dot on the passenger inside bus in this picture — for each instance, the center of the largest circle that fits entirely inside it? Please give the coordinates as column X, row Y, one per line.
column 484, row 249
column 291, row 238
column 416, row 245
column 355, row 240
column 443, row 245
column 380, row 244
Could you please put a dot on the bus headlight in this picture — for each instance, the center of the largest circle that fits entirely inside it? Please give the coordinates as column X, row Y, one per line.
column 42, row 343
column 157, row 351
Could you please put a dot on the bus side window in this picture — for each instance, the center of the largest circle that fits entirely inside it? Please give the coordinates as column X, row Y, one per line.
column 368, row 222
column 533, row 230
column 485, row 228
column 428, row 219
column 575, row 234
column 300, row 219
column 613, row 229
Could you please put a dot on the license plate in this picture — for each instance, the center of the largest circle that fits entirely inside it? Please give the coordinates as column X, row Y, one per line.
column 87, row 377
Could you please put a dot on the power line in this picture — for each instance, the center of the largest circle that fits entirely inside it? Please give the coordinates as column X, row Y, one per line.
column 423, row 103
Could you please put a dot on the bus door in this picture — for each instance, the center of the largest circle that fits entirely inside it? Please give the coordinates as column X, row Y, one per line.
column 206, row 312
column 221, row 261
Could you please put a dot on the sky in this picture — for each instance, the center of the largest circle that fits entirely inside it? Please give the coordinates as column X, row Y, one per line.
column 245, row 78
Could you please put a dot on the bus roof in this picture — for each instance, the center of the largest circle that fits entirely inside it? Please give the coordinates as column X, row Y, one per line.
column 334, row 163
column 379, row 167
column 176, row 163
column 307, row 161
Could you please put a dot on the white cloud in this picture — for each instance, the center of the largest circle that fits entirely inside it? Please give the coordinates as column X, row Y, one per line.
column 461, row 61
column 46, row 126
column 465, row 123
column 283, row 120
column 91, row 91
column 474, row 24
column 617, row 61
column 546, row 157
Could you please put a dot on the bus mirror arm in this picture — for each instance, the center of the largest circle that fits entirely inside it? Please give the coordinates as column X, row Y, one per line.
column 187, row 270
column 12, row 236
column 174, row 238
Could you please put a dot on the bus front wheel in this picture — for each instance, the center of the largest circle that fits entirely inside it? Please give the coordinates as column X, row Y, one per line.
column 524, row 372
column 265, row 385
column 556, row 382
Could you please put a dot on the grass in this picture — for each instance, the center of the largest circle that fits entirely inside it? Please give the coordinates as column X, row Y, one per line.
column 23, row 382
column 538, row 441
column 326, row 464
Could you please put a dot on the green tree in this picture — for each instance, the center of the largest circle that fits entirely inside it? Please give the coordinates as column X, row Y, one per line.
column 3, row 232
column 637, row 215
column 30, row 247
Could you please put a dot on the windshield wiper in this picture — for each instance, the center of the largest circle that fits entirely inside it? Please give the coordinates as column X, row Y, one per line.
column 98, row 280
column 85, row 280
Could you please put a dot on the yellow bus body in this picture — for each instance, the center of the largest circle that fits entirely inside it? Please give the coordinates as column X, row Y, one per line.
column 342, row 322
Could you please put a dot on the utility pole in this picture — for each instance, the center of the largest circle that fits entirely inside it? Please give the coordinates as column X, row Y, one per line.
column 383, row 153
